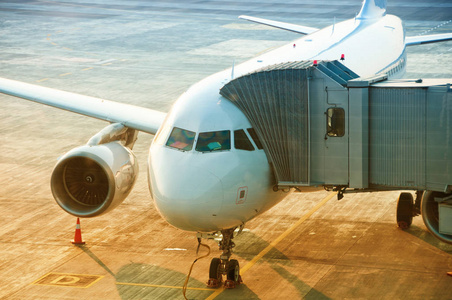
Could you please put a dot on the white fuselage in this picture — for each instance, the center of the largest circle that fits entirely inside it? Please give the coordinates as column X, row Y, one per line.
column 207, row 191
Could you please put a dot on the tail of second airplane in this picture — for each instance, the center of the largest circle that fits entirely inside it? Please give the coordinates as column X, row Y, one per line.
column 372, row 9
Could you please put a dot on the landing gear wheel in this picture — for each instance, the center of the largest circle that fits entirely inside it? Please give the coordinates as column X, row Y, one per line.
column 215, row 276
column 233, row 274
column 405, row 207
column 233, row 270
column 224, row 266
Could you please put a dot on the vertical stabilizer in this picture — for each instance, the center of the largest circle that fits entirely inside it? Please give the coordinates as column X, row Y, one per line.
column 372, row 9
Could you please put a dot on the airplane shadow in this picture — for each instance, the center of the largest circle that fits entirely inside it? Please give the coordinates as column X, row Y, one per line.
column 144, row 281
column 424, row 235
column 249, row 245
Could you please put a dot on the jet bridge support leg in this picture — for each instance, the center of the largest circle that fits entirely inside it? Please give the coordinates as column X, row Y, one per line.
column 417, row 203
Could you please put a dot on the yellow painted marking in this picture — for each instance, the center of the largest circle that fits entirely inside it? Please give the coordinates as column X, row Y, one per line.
column 67, row 48
column 87, row 69
column 43, row 79
column 276, row 241
column 65, row 74
column 162, row 286
column 68, row 280
column 217, row 292
column 106, row 64
column 286, row 233
column 55, row 44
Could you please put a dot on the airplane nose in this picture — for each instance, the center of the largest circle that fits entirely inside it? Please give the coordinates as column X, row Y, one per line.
column 188, row 197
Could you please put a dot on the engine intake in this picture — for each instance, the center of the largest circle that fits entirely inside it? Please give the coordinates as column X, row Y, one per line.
column 431, row 216
column 91, row 180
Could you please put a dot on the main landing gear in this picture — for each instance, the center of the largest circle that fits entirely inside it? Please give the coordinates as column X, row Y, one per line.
column 407, row 209
column 224, row 265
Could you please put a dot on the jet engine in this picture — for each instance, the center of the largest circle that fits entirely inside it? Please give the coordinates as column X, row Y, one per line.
column 93, row 179
column 432, row 204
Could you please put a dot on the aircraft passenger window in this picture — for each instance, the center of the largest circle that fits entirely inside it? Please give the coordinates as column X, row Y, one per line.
column 335, row 122
column 181, row 139
column 255, row 138
column 214, row 141
column 241, row 141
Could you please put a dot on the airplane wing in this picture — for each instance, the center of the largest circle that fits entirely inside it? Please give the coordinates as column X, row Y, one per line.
column 425, row 39
column 139, row 118
column 281, row 25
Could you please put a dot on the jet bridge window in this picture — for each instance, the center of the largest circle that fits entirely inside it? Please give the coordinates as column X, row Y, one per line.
column 335, row 122
column 241, row 141
column 181, row 139
column 214, row 141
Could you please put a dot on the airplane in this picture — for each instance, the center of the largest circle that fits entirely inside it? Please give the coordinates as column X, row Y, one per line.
column 208, row 171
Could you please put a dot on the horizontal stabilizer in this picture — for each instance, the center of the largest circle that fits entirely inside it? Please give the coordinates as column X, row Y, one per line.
column 281, row 25
column 425, row 39
column 139, row 118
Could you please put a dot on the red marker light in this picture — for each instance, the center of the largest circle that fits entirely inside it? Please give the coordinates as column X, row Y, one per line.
column 342, row 56
column 315, row 63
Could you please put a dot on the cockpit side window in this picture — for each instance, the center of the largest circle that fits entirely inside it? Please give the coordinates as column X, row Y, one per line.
column 181, row 139
column 241, row 141
column 255, row 138
column 214, row 141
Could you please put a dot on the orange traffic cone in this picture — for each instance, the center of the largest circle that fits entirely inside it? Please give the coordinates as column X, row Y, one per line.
column 78, row 234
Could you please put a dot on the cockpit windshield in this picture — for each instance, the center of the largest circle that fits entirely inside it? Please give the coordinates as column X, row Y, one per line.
column 214, row 141
column 181, row 139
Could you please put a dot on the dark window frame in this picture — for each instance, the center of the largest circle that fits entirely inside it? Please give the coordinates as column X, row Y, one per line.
column 335, row 122
column 253, row 134
column 241, row 141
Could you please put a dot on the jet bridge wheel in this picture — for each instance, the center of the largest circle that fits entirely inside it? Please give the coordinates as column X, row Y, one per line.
column 405, row 206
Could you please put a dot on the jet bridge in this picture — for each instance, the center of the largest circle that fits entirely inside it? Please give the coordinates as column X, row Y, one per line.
column 321, row 125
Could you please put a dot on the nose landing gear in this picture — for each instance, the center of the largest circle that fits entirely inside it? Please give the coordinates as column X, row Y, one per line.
column 224, row 265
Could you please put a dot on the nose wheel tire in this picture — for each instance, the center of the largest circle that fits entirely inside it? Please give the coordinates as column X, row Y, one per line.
column 224, row 265
column 405, row 207
column 233, row 270
column 233, row 274
column 215, row 276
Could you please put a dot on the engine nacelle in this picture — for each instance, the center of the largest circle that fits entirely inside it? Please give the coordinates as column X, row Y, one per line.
column 430, row 215
column 91, row 180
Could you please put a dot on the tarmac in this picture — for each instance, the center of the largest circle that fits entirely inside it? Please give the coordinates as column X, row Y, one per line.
column 309, row 246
